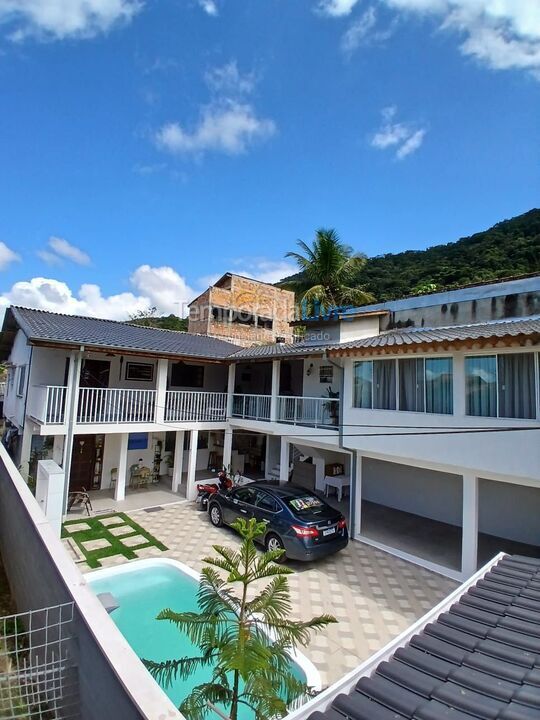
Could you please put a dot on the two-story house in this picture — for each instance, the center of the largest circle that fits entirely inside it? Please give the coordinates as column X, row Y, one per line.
column 419, row 417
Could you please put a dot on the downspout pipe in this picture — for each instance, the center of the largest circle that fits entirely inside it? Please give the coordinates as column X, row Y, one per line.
column 71, row 418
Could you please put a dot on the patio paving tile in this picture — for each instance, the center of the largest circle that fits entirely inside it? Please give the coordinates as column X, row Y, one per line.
column 98, row 544
column 374, row 595
column 134, row 540
column 77, row 527
column 121, row 531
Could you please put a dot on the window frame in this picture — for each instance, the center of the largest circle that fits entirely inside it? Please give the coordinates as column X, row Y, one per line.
column 396, row 360
column 497, row 355
column 132, row 365
column 21, row 380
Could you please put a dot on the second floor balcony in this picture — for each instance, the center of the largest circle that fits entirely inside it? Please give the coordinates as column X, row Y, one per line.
column 308, row 411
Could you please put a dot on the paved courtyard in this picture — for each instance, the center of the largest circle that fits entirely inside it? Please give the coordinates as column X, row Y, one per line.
column 374, row 595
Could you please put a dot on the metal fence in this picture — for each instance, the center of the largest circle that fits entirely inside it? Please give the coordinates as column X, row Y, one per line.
column 38, row 670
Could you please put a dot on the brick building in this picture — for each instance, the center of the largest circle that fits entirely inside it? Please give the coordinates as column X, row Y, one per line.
column 243, row 310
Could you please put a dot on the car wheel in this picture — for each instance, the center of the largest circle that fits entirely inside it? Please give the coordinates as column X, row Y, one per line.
column 274, row 542
column 216, row 516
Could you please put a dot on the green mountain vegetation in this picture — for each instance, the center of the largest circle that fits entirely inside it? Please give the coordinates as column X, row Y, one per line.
column 150, row 318
column 509, row 248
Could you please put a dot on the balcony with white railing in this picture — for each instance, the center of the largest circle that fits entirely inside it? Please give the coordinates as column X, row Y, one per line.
column 116, row 405
column 251, row 407
column 309, row 411
column 194, row 406
column 47, row 404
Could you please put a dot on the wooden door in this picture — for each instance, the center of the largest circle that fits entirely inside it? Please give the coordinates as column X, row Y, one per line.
column 82, row 462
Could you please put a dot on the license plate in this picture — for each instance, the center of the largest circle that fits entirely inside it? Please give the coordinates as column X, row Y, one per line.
column 329, row 531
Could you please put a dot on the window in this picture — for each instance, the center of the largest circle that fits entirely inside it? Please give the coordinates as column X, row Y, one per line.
column 501, row 385
column 183, row 375
column 439, row 386
column 245, row 495
column 413, row 385
column 20, row 383
column 326, row 374
column 220, row 314
column 143, row 372
column 375, row 384
column 267, row 503
column 266, row 323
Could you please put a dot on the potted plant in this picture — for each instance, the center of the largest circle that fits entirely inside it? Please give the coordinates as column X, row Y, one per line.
column 332, row 405
column 168, row 461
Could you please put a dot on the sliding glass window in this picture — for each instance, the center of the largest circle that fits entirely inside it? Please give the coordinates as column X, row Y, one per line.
column 501, row 385
column 481, row 385
column 363, row 384
column 384, row 384
column 439, row 386
column 411, row 384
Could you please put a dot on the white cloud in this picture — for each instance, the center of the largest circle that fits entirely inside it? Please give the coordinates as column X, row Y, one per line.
column 502, row 34
column 60, row 19
column 364, row 31
column 161, row 287
column 336, row 8
column 227, row 79
column 7, row 256
column 263, row 269
column 209, row 6
column 62, row 249
column 226, row 126
column 403, row 138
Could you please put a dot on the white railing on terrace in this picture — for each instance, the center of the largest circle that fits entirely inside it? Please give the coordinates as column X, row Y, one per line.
column 251, row 407
column 116, row 405
column 191, row 405
column 2, row 389
column 311, row 411
column 47, row 403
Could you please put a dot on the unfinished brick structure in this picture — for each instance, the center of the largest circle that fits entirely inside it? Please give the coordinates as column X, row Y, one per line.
column 242, row 310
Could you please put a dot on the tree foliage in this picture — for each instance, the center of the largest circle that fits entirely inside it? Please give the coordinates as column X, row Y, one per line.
column 327, row 273
column 244, row 638
column 150, row 318
column 510, row 248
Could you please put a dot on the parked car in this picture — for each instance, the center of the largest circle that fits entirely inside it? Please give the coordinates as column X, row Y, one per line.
column 298, row 521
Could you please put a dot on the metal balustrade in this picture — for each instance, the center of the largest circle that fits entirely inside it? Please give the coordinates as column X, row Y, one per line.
column 251, row 407
column 116, row 405
column 310, row 411
column 190, row 405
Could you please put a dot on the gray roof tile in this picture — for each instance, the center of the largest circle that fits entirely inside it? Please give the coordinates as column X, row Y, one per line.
column 469, row 663
column 49, row 327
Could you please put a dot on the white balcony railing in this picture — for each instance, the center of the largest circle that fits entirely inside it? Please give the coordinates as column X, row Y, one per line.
column 251, row 407
column 190, row 405
column 310, row 411
column 116, row 405
column 2, row 389
column 47, row 403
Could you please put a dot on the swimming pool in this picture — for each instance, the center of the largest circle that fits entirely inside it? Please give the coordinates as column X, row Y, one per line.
column 145, row 587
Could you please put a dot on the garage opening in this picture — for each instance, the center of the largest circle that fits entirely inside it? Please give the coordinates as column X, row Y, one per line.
column 508, row 519
column 414, row 510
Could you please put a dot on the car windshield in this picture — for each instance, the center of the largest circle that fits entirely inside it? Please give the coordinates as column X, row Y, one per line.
column 305, row 503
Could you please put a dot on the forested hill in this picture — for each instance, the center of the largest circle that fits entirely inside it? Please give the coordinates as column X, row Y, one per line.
column 511, row 247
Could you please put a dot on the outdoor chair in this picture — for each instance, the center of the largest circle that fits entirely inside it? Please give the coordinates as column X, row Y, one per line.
column 82, row 498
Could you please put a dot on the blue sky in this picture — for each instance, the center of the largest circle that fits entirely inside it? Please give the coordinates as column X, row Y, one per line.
column 146, row 147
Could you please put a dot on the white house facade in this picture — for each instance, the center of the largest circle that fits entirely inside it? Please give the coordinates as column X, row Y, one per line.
column 422, row 416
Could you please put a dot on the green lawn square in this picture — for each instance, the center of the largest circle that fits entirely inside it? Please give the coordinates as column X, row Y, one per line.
column 98, row 531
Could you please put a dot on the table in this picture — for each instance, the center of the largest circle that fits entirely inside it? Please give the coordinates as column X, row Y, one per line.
column 337, row 481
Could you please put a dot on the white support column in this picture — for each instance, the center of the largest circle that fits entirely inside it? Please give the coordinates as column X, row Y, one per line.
column 227, row 449
column 72, row 403
column 161, row 390
column 120, row 487
column 231, row 380
column 319, row 463
column 191, row 489
column 357, row 495
column 178, row 460
column 284, row 461
column 276, row 366
column 26, row 449
column 469, row 541
column 58, row 449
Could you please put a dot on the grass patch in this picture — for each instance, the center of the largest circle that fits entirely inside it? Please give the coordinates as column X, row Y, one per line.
column 96, row 530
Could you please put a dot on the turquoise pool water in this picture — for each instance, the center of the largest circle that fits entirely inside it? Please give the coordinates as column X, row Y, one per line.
column 142, row 593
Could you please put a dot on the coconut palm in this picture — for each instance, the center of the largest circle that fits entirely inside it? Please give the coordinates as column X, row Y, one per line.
column 245, row 638
column 327, row 271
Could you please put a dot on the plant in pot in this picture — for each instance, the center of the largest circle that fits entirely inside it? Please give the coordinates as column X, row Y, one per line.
column 168, row 461
column 332, row 405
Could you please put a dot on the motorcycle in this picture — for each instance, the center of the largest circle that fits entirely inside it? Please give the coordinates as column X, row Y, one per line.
column 206, row 490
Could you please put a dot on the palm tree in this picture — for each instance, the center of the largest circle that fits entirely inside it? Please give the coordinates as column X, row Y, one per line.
column 245, row 638
column 327, row 271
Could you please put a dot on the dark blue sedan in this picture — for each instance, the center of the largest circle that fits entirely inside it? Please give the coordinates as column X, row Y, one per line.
column 298, row 521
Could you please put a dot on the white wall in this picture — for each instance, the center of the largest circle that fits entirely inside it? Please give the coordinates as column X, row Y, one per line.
column 13, row 404
column 312, row 385
column 422, row 492
column 359, row 328
column 509, row 511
